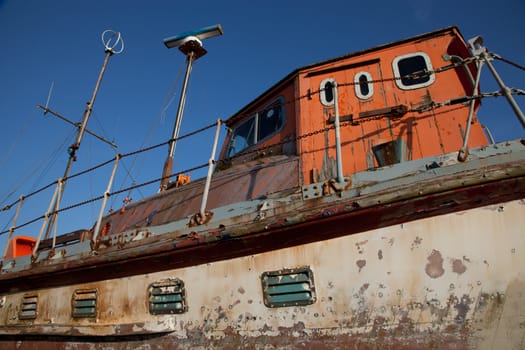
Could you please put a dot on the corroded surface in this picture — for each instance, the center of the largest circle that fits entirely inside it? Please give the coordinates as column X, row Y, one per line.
column 391, row 301
column 426, row 253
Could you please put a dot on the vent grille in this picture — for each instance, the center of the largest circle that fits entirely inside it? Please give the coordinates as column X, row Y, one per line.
column 28, row 307
column 84, row 304
column 288, row 287
column 167, row 297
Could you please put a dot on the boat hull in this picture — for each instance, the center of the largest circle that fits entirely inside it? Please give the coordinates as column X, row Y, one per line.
column 451, row 281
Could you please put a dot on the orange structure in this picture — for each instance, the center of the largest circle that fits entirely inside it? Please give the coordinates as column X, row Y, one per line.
column 356, row 204
column 394, row 103
column 20, row 246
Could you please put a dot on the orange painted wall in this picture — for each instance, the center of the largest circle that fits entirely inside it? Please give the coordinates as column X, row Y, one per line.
column 433, row 132
column 425, row 134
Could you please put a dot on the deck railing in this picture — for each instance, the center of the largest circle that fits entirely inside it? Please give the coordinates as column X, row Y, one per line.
column 482, row 57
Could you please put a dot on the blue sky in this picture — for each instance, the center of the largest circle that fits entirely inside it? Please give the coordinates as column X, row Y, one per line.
column 58, row 42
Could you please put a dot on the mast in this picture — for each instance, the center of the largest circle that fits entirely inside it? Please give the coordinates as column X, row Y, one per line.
column 190, row 44
column 113, row 44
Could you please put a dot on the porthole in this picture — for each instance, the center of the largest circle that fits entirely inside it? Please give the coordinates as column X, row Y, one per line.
column 326, row 92
column 406, row 65
column 364, row 88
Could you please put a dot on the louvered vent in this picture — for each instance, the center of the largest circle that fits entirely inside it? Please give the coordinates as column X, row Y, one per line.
column 167, row 297
column 28, row 307
column 288, row 287
column 84, row 303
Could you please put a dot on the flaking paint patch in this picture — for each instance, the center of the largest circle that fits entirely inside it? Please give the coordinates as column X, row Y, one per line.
column 434, row 268
column 458, row 266
column 360, row 264
column 416, row 243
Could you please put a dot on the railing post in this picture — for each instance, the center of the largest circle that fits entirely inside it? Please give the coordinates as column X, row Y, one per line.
column 340, row 178
column 211, row 161
column 12, row 228
column 463, row 152
column 106, row 196
column 505, row 90
column 46, row 216
column 55, row 214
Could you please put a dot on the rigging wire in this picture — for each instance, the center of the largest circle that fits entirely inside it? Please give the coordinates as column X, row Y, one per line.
column 154, row 125
column 45, row 165
column 226, row 160
column 498, row 57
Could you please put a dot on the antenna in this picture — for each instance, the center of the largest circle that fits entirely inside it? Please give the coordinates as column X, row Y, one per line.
column 113, row 44
column 49, row 94
column 190, row 44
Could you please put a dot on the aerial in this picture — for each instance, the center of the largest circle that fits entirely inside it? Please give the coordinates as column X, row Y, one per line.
column 336, row 175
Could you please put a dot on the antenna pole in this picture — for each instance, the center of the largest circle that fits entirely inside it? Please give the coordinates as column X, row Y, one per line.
column 87, row 113
column 190, row 44
column 168, row 164
column 72, row 150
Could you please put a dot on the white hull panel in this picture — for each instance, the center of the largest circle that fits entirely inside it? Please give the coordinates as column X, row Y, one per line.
column 450, row 279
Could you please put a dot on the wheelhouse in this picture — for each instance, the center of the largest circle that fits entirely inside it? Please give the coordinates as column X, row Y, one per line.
column 394, row 105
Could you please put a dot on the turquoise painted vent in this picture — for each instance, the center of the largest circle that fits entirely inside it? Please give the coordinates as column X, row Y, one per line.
column 167, row 297
column 288, row 287
column 28, row 307
column 84, row 303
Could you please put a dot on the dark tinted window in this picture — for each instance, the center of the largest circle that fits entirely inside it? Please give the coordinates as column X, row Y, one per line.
column 270, row 121
column 258, row 127
column 411, row 65
column 243, row 137
column 363, row 85
column 329, row 92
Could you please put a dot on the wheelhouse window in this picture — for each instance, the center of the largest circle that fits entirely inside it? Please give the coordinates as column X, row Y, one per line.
column 326, row 92
column 364, row 87
column 258, row 127
column 406, row 65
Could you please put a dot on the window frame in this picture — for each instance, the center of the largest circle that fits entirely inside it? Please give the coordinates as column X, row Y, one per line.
column 255, row 120
column 322, row 92
column 357, row 85
column 397, row 74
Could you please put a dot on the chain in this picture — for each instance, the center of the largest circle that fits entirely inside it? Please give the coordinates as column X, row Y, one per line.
column 308, row 95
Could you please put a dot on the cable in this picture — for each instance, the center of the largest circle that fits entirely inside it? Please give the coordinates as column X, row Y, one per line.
column 308, row 95
column 498, row 57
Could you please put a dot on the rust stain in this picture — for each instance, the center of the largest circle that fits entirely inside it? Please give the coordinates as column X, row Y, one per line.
column 463, row 307
column 359, row 247
column 434, row 268
column 416, row 243
column 363, row 288
column 458, row 266
column 380, row 254
column 360, row 263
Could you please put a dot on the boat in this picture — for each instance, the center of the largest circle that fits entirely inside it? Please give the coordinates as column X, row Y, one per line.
column 358, row 203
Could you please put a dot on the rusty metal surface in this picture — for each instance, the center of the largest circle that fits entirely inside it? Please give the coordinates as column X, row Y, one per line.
column 398, row 287
column 418, row 255
column 242, row 183
column 405, row 199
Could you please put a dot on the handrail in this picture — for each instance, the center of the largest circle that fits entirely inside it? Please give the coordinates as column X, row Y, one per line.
column 13, row 226
column 106, row 196
column 212, row 162
column 48, row 213
column 463, row 152
column 340, row 178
